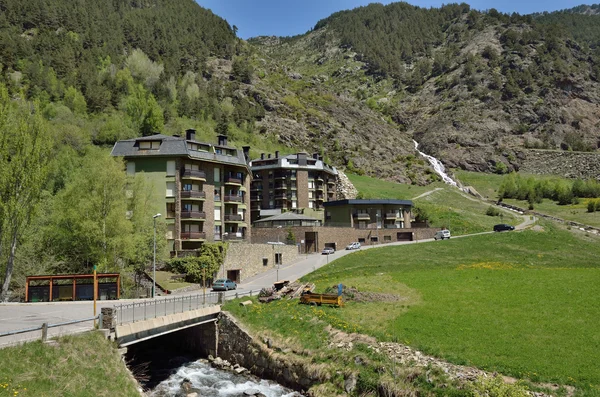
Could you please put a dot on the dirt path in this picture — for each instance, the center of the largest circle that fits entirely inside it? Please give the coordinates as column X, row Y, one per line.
column 427, row 193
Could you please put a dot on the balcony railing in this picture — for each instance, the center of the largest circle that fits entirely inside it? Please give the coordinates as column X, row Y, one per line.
column 193, row 215
column 390, row 215
column 281, row 186
column 362, row 216
column 193, row 174
column 331, row 181
column 193, row 235
column 392, row 226
column 217, row 198
column 233, row 237
column 233, row 218
column 193, row 194
column 233, row 179
column 170, row 214
column 234, row 199
column 280, row 196
column 319, row 186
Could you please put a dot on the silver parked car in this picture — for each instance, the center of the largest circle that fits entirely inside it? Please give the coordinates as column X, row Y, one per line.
column 353, row 246
column 327, row 251
column 442, row 235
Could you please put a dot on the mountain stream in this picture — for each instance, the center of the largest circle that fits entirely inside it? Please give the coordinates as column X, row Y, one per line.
column 437, row 166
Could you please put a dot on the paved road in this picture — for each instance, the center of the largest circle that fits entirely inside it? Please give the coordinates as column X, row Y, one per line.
column 16, row 316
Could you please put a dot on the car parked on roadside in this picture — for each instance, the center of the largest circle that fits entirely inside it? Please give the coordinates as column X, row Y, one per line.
column 327, row 251
column 442, row 235
column 224, row 284
column 353, row 246
column 502, row 227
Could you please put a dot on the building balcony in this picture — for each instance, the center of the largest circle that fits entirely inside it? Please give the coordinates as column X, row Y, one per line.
column 193, row 215
column 233, row 218
column 256, row 188
column 193, row 236
column 320, row 197
column 255, row 206
column 170, row 214
column 282, row 196
column 233, row 237
column 390, row 215
column 319, row 178
column 233, row 199
column 193, row 194
column 391, row 226
column 193, row 174
column 231, row 180
column 280, row 176
column 320, row 187
column 281, row 186
column 362, row 217
column 331, row 181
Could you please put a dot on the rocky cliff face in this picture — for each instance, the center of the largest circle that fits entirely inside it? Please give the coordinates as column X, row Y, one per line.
column 492, row 98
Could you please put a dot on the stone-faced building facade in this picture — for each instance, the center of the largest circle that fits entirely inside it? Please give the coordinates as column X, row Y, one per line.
column 369, row 214
column 202, row 188
column 291, row 183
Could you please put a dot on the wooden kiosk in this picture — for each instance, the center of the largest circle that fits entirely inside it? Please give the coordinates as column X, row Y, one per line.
column 72, row 287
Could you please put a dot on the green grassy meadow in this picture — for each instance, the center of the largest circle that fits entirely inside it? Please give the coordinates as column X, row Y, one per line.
column 487, row 185
column 81, row 365
column 524, row 304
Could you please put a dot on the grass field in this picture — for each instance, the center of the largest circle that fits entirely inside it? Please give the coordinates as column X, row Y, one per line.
column 521, row 303
column 488, row 184
column 446, row 206
column 83, row 365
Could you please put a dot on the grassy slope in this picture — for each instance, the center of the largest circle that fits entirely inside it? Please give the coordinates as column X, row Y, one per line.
column 447, row 207
column 488, row 184
column 524, row 304
column 83, row 365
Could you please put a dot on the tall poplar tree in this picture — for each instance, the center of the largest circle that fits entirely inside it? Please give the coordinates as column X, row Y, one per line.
column 26, row 147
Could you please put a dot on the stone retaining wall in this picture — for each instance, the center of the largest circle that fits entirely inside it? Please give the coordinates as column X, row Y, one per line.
column 238, row 347
column 248, row 258
column 568, row 164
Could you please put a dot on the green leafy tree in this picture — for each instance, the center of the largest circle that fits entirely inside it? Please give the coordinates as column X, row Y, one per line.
column 75, row 101
column 144, row 112
column 26, row 147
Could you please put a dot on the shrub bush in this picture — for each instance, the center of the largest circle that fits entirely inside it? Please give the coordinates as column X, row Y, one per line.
column 492, row 211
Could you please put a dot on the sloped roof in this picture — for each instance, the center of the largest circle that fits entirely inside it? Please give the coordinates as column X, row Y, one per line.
column 174, row 146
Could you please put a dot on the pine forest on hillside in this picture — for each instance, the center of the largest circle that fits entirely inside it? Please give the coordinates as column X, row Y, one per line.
column 473, row 88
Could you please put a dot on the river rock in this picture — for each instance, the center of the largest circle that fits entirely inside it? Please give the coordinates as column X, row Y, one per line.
column 194, row 394
column 251, row 392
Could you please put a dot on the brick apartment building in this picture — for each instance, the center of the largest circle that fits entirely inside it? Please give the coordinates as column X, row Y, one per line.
column 201, row 187
column 297, row 182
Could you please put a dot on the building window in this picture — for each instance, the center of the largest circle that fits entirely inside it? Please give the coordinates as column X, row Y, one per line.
column 311, row 184
column 217, row 195
column 186, row 207
column 171, row 168
column 170, row 189
column 130, row 168
column 150, row 145
column 217, row 214
column 387, row 238
column 217, row 232
column 187, row 187
column 311, row 195
column 170, row 232
column 217, row 175
column 294, row 204
column 311, row 204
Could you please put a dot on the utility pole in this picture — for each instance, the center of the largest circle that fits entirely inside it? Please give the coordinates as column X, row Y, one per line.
column 154, row 259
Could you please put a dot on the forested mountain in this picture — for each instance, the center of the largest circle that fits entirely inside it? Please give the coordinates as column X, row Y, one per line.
column 473, row 88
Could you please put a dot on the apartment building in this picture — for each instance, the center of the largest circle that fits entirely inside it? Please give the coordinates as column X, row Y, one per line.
column 369, row 214
column 201, row 188
column 297, row 182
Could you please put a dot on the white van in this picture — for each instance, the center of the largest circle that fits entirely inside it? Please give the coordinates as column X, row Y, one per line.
column 442, row 234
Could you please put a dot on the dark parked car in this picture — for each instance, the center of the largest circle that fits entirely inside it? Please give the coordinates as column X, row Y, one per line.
column 502, row 227
column 223, row 284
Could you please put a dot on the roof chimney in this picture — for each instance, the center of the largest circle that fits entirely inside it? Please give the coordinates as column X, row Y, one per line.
column 262, row 156
column 222, row 140
column 246, row 151
column 276, row 154
column 316, row 156
column 190, row 134
column 321, row 158
column 269, row 156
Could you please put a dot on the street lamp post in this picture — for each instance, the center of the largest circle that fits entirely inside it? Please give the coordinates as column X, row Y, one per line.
column 154, row 258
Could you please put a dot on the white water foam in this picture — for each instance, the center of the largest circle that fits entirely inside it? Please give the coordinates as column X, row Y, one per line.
column 211, row 382
column 437, row 166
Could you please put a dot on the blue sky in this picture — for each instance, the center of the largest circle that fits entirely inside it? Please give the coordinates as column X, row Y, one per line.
column 292, row 17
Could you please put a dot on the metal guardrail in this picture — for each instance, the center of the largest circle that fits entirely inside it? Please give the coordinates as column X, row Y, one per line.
column 45, row 326
column 158, row 307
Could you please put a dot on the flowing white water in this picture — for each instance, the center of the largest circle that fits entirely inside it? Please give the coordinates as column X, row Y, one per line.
column 210, row 382
column 437, row 166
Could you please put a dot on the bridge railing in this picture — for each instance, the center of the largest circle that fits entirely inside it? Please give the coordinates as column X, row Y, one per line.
column 158, row 307
column 9, row 338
